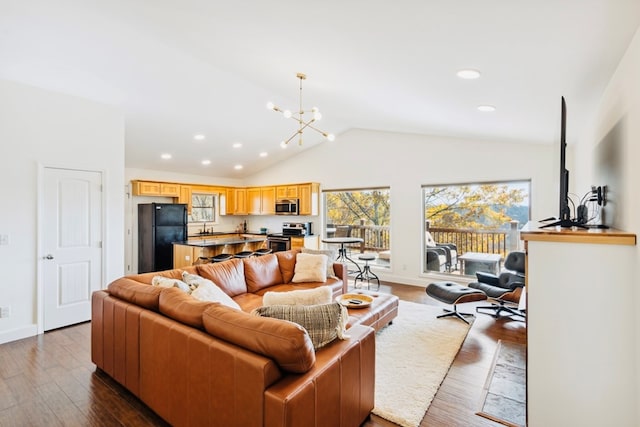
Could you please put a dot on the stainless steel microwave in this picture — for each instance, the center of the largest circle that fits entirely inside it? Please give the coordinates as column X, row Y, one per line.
column 287, row 207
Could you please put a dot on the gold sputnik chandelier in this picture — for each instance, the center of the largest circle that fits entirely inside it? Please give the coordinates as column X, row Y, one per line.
column 299, row 117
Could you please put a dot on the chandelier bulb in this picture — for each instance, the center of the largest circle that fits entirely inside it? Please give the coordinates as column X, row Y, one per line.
column 287, row 114
column 283, row 144
column 271, row 106
column 317, row 115
column 331, row 137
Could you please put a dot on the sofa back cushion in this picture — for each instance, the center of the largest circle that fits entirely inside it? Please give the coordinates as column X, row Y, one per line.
column 228, row 275
column 287, row 263
column 262, row 272
column 182, row 307
column 287, row 343
column 137, row 293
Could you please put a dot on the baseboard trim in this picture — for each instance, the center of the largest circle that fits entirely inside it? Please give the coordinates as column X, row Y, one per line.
column 18, row 333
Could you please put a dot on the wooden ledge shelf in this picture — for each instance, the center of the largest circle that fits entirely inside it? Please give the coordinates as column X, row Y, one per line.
column 607, row 236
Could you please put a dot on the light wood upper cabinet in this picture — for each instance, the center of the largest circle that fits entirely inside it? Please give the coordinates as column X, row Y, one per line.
column 261, row 200
column 185, row 196
column 151, row 188
column 236, row 201
column 287, row 192
column 268, row 200
column 254, row 201
column 309, row 195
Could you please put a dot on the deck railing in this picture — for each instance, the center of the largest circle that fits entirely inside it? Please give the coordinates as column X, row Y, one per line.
column 376, row 238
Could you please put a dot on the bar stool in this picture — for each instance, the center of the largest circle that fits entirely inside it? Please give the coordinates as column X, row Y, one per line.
column 263, row 251
column 221, row 257
column 243, row 254
column 366, row 273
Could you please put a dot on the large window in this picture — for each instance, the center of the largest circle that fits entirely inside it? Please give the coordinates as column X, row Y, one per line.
column 363, row 213
column 476, row 218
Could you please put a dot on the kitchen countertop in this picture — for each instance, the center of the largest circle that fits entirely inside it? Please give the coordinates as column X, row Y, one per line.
column 218, row 233
column 221, row 241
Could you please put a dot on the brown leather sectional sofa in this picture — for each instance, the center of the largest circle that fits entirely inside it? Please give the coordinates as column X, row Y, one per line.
column 201, row 363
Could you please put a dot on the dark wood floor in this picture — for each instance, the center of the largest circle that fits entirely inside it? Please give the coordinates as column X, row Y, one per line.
column 49, row 380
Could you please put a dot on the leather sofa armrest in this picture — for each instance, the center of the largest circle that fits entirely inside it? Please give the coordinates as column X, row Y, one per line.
column 341, row 273
column 317, row 397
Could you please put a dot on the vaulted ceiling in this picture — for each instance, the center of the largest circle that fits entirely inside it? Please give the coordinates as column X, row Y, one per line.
column 181, row 68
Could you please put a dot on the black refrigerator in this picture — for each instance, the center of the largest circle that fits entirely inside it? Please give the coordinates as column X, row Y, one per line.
column 159, row 225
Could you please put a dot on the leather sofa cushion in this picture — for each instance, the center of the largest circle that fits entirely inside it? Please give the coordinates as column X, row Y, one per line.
column 180, row 306
column 287, row 343
column 137, row 293
column 228, row 275
column 262, row 272
column 287, row 263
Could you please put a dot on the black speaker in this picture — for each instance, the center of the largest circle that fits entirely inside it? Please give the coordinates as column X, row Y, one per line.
column 582, row 213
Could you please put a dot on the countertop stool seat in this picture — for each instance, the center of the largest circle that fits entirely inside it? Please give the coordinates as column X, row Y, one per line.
column 244, row 254
column 263, row 251
column 221, row 257
column 366, row 273
column 454, row 294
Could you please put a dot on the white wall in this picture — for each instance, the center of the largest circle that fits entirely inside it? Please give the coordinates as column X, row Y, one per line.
column 42, row 128
column 405, row 162
column 620, row 110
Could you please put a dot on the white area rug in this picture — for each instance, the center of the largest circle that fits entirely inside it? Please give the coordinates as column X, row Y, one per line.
column 413, row 355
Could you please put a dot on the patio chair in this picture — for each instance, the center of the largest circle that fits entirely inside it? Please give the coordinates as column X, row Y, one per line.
column 450, row 249
column 436, row 259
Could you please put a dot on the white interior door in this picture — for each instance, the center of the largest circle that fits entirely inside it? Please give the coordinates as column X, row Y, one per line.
column 72, row 244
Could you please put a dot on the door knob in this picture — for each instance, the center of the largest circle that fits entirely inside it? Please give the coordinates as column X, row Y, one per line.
column 49, row 256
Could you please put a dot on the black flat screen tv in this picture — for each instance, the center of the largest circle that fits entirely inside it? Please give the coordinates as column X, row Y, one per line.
column 564, row 213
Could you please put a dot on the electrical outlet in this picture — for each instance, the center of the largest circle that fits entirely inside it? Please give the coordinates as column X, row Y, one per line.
column 4, row 239
column 5, row 311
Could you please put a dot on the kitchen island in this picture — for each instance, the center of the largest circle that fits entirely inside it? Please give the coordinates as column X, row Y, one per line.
column 189, row 252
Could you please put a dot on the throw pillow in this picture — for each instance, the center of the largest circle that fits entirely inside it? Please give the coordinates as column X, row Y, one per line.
column 429, row 241
column 165, row 282
column 324, row 322
column 319, row 295
column 206, row 290
column 310, row 268
column 331, row 254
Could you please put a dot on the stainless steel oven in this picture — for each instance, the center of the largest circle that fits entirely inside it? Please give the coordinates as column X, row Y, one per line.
column 278, row 242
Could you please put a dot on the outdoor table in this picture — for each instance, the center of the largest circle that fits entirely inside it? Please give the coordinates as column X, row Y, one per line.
column 477, row 261
column 342, row 251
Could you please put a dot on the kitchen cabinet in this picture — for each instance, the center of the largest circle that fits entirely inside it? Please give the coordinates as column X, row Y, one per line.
column 236, row 203
column 151, row 188
column 309, row 242
column 287, row 192
column 309, row 195
column 261, row 200
column 268, row 200
column 233, row 200
column 185, row 197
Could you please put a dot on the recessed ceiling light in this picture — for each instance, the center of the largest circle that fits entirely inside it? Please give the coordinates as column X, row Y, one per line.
column 206, row 162
column 237, row 167
column 264, row 154
column 486, row 108
column 468, row 74
column 198, row 137
column 165, row 156
column 237, row 145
